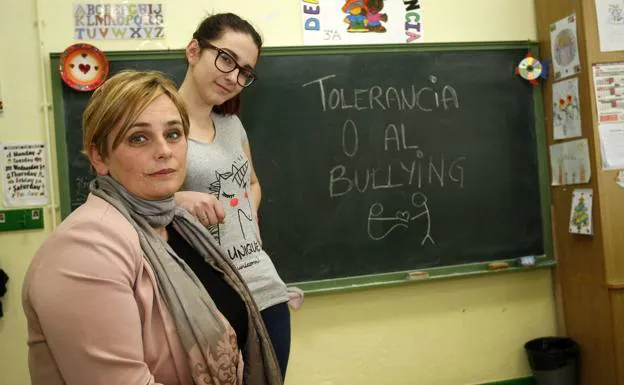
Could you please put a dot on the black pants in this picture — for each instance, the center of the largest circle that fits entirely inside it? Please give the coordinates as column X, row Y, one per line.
column 277, row 321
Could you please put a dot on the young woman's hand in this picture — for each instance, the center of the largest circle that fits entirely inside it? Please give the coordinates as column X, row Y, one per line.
column 203, row 206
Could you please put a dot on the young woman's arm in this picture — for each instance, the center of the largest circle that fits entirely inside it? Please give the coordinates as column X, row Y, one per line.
column 203, row 206
column 256, row 191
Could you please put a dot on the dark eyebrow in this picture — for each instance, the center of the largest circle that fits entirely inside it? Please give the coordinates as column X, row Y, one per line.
column 139, row 124
column 173, row 122
column 237, row 58
column 232, row 53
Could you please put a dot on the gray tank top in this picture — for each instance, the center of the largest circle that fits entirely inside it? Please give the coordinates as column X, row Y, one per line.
column 222, row 169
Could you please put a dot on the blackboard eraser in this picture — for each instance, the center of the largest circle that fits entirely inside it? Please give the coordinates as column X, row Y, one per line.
column 417, row 275
column 497, row 265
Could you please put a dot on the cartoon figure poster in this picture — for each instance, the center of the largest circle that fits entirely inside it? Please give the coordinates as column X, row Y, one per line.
column 564, row 47
column 338, row 22
column 581, row 212
column 566, row 113
column 569, row 162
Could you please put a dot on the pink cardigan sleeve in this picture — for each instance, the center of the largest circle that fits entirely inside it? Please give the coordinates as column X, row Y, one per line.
column 81, row 293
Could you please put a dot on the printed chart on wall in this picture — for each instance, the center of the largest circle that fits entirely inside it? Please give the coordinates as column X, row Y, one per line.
column 610, row 18
column 564, row 47
column 24, row 174
column 569, row 162
column 106, row 21
column 336, row 22
column 609, row 88
column 566, row 115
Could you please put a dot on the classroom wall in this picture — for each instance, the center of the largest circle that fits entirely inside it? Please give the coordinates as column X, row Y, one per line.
column 454, row 332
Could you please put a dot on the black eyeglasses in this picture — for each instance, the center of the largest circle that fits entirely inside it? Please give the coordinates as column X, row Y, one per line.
column 226, row 64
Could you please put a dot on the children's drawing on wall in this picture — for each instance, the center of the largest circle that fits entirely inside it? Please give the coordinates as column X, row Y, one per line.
column 566, row 114
column 569, row 162
column 381, row 225
column 615, row 14
column 610, row 17
column 581, row 212
column 361, row 21
column 365, row 15
column 564, row 47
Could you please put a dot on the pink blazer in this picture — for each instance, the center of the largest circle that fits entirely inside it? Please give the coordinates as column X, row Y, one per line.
column 94, row 312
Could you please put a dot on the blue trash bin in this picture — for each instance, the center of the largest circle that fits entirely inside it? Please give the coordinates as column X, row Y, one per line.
column 554, row 360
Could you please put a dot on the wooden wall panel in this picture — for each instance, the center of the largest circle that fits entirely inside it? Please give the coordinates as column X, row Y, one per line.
column 617, row 303
column 592, row 315
column 589, row 321
column 611, row 213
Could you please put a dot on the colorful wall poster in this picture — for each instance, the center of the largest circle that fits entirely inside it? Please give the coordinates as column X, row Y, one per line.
column 337, row 22
column 25, row 174
column 566, row 112
column 609, row 88
column 564, row 47
column 120, row 21
column 610, row 20
column 581, row 212
column 569, row 162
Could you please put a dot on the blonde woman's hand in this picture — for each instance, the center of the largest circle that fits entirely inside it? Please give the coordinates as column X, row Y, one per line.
column 203, row 206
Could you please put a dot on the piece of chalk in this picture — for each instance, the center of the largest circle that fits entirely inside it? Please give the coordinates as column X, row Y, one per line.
column 417, row 275
column 497, row 265
column 527, row 261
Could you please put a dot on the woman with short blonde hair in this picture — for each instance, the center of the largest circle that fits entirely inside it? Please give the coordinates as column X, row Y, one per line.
column 113, row 296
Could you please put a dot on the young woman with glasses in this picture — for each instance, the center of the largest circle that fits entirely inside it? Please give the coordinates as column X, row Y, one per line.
column 221, row 188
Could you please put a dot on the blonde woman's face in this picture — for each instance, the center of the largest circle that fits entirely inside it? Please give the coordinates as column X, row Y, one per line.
column 150, row 161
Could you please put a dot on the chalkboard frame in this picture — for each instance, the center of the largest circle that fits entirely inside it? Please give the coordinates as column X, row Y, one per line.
column 363, row 281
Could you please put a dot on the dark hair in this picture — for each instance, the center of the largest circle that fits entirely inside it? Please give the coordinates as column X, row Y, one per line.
column 212, row 28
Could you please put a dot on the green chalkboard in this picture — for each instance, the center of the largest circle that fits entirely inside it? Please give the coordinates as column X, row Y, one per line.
column 376, row 161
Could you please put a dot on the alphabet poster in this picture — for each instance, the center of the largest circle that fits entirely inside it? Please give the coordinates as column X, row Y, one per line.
column 105, row 21
column 25, row 174
column 336, row 22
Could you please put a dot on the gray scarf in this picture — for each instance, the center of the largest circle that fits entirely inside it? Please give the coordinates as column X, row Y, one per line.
column 206, row 335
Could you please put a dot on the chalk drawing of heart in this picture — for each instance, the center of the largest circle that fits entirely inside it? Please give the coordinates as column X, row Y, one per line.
column 404, row 215
column 84, row 68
